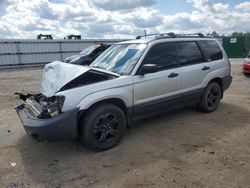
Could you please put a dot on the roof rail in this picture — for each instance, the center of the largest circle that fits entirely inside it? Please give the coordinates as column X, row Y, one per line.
column 200, row 35
column 158, row 35
column 172, row 35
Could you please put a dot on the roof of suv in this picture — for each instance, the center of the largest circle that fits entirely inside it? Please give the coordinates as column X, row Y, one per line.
column 146, row 41
column 184, row 37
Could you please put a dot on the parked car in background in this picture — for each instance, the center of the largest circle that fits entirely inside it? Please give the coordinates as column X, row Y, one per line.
column 88, row 55
column 246, row 65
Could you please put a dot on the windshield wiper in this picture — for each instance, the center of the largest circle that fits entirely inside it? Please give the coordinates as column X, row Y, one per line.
column 98, row 67
column 110, row 72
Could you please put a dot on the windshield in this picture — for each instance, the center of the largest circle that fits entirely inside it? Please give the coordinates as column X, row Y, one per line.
column 88, row 50
column 120, row 58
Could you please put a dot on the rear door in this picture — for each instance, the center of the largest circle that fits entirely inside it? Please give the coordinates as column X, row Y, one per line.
column 194, row 68
column 156, row 91
column 215, row 56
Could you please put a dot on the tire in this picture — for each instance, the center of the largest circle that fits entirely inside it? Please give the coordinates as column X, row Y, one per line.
column 211, row 98
column 103, row 127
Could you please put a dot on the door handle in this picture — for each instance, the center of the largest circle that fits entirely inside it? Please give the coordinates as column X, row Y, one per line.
column 205, row 68
column 173, row 74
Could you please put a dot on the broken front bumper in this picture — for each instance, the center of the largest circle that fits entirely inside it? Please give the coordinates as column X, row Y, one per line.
column 59, row 127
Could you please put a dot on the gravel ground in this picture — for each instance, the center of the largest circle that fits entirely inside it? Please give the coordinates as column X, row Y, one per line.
column 183, row 148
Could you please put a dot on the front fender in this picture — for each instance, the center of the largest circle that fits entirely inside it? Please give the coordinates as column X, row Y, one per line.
column 125, row 94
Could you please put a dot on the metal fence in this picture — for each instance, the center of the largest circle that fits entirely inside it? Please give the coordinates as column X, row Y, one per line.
column 38, row 52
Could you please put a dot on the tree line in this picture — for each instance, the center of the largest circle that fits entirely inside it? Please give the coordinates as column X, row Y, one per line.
column 234, row 34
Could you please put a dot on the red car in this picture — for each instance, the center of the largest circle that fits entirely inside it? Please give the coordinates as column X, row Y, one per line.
column 246, row 65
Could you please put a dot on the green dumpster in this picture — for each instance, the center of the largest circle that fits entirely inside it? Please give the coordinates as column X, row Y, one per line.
column 236, row 47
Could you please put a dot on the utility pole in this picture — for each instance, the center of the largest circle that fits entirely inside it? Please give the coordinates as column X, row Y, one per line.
column 145, row 33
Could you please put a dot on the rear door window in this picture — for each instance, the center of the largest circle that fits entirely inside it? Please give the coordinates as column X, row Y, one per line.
column 189, row 53
column 164, row 55
column 212, row 49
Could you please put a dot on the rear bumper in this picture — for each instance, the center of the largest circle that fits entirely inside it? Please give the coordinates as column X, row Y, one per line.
column 59, row 127
column 246, row 68
column 226, row 82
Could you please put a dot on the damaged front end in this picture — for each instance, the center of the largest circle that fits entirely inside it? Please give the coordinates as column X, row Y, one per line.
column 41, row 107
column 44, row 115
column 43, row 119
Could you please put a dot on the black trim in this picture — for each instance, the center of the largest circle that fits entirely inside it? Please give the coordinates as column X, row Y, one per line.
column 166, row 104
column 226, row 82
column 89, row 77
column 172, row 35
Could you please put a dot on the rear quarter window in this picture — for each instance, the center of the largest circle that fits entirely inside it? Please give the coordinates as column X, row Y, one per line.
column 212, row 49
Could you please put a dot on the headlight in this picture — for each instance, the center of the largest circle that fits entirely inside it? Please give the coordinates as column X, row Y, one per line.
column 52, row 106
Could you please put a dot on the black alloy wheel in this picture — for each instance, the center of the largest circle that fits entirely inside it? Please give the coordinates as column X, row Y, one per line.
column 211, row 98
column 106, row 128
column 102, row 127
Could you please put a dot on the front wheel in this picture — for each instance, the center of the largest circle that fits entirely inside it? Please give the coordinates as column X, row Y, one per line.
column 103, row 127
column 211, row 98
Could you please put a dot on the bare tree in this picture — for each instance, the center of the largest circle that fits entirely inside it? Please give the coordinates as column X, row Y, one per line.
column 215, row 34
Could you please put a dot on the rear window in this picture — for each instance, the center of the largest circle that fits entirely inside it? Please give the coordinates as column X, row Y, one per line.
column 212, row 49
column 189, row 53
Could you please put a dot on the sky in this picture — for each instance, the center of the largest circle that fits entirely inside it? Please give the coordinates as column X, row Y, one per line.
column 25, row 19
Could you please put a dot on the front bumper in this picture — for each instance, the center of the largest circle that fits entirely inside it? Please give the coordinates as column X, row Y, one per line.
column 246, row 68
column 60, row 127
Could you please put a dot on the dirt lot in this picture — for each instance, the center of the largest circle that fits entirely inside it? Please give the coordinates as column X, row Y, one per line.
column 184, row 148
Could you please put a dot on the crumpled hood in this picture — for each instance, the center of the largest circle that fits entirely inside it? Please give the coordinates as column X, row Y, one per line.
column 57, row 74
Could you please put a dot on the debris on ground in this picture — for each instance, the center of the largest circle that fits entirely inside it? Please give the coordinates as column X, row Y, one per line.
column 13, row 164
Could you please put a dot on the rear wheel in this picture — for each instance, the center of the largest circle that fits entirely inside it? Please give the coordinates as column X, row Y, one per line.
column 211, row 98
column 103, row 127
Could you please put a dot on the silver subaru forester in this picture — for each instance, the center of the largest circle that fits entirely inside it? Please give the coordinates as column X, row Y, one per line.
column 131, row 80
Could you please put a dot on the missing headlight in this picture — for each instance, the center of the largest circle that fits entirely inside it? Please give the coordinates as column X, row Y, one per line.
column 41, row 106
column 51, row 106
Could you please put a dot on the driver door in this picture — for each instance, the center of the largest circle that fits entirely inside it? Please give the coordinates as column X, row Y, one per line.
column 158, row 90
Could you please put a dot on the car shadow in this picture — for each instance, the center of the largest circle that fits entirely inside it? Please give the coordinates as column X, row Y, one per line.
column 167, row 137
column 247, row 75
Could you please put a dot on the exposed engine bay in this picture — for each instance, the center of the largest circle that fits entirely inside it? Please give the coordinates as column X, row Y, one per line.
column 39, row 106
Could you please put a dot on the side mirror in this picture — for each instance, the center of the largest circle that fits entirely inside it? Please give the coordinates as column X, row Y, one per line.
column 148, row 68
